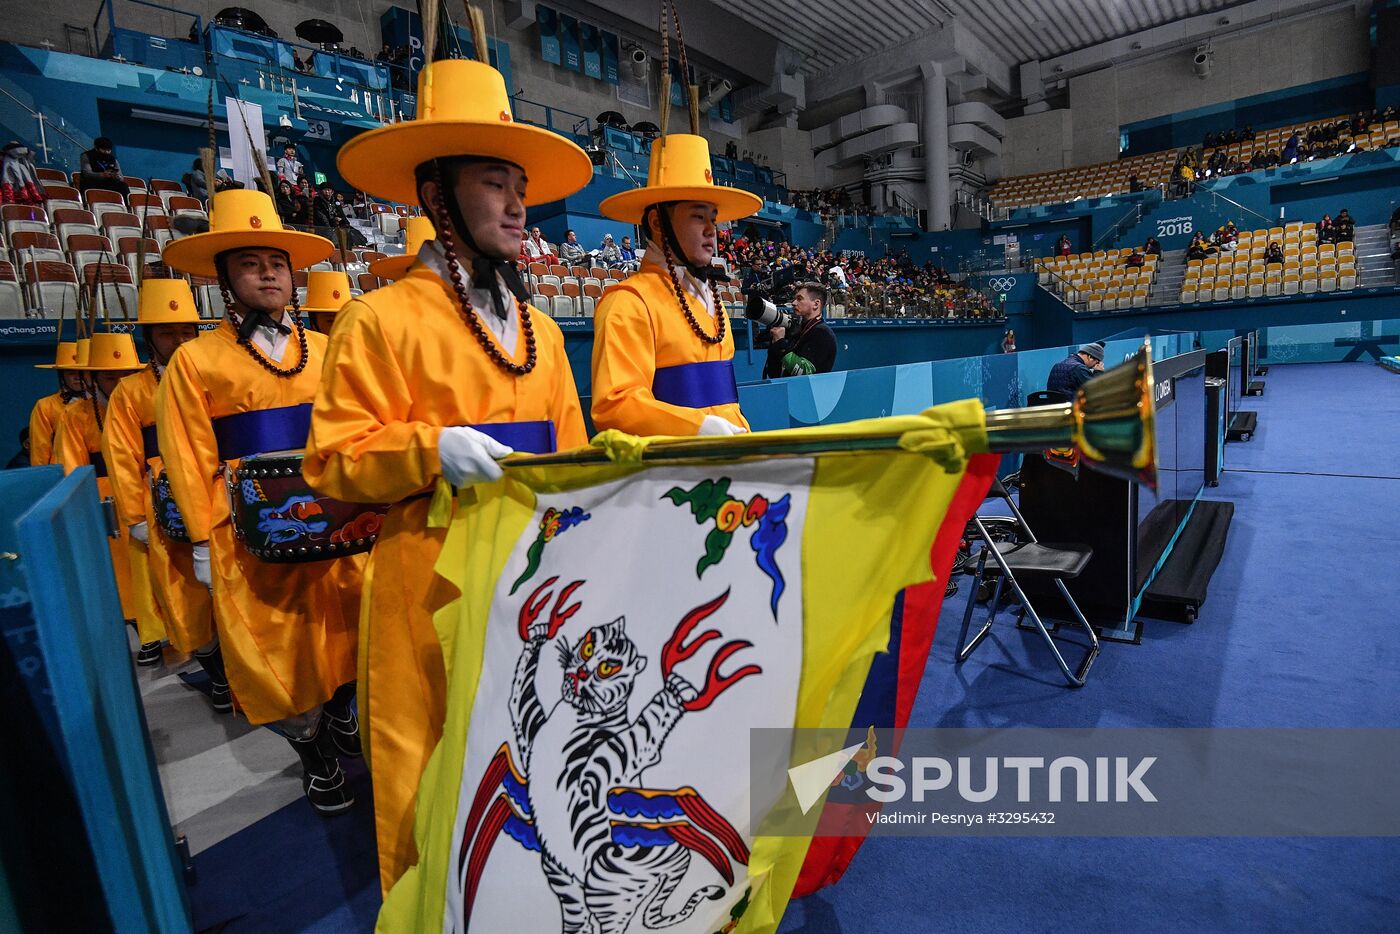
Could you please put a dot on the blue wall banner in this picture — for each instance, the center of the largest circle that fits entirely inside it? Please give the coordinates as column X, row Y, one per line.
column 591, row 41
column 610, row 58
column 568, row 32
column 550, row 47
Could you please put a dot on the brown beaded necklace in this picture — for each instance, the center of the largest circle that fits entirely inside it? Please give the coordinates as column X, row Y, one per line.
column 468, row 314
column 721, row 317
column 252, row 350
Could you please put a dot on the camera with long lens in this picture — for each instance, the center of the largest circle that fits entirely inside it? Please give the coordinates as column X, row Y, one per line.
column 761, row 311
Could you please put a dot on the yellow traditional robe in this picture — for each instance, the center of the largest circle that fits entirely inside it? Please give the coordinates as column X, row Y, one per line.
column 77, row 439
column 43, row 425
column 181, row 602
column 287, row 630
column 402, row 366
column 635, row 333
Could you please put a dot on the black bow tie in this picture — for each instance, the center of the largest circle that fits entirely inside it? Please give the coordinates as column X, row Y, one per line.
column 487, row 274
column 259, row 319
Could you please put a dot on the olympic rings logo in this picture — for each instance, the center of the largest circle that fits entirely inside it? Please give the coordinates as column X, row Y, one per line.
column 1002, row 283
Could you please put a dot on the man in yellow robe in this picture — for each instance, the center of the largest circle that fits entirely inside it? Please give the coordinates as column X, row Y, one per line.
column 287, row 630
column 78, row 443
column 43, row 420
column 437, row 376
column 168, row 318
column 663, row 354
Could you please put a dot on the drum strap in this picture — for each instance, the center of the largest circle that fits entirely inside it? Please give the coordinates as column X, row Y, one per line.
column 149, row 441
column 262, row 431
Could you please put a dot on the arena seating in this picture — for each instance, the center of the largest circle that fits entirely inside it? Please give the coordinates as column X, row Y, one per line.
column 1154, row 169
column 1099, row 279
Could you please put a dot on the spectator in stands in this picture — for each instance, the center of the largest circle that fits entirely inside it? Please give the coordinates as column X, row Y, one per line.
column 1008, row 341
column 813, row 348
column 289, row 167
column 298, row 64
column 1290, row 149
column 1346, row 227
column 1212, row 140
column 1152, row 247
column 1136, row 259
column 1256, row 161
column 286, row 202
column 1273, row 254
column 836, row 276
column 99, row 168
column 196, row 185
column 1271, row 160
column 1326, row 230
column 1075, row 370
column 1198, row 248
column 536, row 249
column 609, row 254
column 19, row 183
column 1247, row 133
column 325, row 216
column 571, row 252
column 629, row 254
column 385, row 56
column 1135, row 184
column 1063, row 247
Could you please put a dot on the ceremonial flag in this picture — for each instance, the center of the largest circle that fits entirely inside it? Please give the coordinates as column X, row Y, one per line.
column 621, row 628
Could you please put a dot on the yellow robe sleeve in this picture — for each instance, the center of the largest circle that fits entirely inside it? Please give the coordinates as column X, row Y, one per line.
column 70, row 448
column 42, row 425
column 124, row 449
column 624, row 364
column 362, row 447
column 187, row 444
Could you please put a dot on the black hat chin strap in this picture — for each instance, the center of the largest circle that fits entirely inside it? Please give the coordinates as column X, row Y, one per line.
column 485, row 267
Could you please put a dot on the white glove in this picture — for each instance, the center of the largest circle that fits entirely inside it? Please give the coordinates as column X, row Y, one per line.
column 141, row 532
column 201, row 564
column 469, row 456
column 714, row 425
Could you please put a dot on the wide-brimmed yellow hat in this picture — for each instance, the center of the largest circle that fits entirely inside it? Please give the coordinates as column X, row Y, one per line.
column 680, row 171
column 327, row 291
column 166, row 301
column 418, row 231
column 244, row 218
column 112, row 352
column 463, row 110
column 65, row 359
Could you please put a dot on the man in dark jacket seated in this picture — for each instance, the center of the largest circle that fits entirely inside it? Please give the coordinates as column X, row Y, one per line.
column 1075, row 370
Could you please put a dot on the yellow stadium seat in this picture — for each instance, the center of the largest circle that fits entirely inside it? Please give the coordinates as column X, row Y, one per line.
column 1292, row 282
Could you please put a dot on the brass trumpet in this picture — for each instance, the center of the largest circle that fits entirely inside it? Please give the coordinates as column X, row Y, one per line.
column 1111, row 423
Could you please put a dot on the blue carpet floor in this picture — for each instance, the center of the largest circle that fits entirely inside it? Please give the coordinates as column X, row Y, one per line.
column 1294, row 633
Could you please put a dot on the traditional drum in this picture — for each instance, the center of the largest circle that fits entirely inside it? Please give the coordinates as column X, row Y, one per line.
column 280, row 519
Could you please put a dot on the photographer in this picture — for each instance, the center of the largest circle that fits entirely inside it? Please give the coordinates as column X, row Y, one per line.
column 812, row 348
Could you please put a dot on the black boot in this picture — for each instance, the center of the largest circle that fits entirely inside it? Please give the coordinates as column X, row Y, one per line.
column 148, row 654
column 342, row 723
column 213, row 664
column 322, row 779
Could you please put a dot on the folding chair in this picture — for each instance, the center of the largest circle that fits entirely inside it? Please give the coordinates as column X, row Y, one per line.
column 1020, row 553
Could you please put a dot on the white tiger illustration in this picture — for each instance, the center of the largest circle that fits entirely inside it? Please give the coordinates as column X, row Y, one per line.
column 610, row 848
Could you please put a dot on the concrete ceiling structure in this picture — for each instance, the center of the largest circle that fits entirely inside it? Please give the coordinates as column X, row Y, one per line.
column 830, row 33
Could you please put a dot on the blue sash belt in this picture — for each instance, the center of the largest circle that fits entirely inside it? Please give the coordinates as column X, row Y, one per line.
column 99, row 463
column 696, row 385
column 148, row 439
column 263, row 431
column 525, row 437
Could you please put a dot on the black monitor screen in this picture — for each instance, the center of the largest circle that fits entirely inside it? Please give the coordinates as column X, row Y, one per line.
column 1180, row 395
column 1235, row 348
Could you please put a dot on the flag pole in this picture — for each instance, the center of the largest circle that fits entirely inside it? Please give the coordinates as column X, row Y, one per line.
column 1111, row 423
